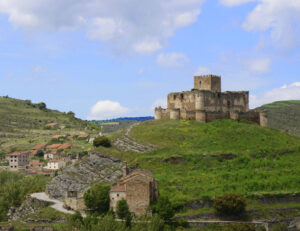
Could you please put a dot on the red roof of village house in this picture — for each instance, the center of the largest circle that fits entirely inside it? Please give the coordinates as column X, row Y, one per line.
column 83, row 136
column 118, row 189
column 59, row 136
column 35, row 163
column 16, row 153
column 39, row 146
column 53, row 146
column 65, row 146
column 51, row 124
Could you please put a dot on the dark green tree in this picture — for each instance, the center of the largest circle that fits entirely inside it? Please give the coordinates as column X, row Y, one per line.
column 40, row 153
column 97, row 198
column 123, row 211
column 102, row 141
column 164, row 208
column 41, row 106
column 70, row 113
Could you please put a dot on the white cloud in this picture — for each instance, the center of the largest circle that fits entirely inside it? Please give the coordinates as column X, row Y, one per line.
column 141, row 26
column 259, row 66
column 286, row 92
column 202, row 71
column 235, row 2
column 159, row 103
column 279, row 19
column 107, row 109
column 172, row 59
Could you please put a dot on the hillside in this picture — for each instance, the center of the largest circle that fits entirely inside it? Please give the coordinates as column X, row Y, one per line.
column 284, row 115
column 194, row 161
column 23, row 124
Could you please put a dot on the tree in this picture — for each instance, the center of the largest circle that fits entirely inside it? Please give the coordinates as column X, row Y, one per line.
column 123, row 211
column 102, row 141
column 39, row 153
column 70, row 113
column 97, row 198
column 41, row 105
column 164, row 208
column 230, row 204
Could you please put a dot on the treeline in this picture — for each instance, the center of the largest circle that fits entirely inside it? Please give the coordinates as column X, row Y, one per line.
column 14, row 187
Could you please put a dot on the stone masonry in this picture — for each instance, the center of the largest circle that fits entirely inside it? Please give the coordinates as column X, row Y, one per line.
column 205, row 103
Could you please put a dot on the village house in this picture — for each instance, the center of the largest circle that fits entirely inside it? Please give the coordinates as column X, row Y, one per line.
column 18, row 160
column 48, row 156
column 74, row 200
column 35, row 165
column 55, row 164
column 59, row 136
column 39, row 147
column 52, row 125
column 138, row 187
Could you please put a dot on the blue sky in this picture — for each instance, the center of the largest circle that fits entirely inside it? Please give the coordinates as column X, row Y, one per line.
column 105, row 59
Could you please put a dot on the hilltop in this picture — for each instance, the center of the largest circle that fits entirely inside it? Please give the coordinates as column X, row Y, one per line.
column 194, row 161
column 284, row 115
column 24, row 124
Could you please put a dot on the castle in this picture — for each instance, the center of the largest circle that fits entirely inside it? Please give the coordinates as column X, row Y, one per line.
column 205, row 103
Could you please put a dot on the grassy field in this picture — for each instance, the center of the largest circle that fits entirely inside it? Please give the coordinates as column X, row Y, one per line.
column 284, row 115
column 23, row 125
column 196, row 161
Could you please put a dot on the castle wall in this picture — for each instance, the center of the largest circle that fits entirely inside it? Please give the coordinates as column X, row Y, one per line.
column 187, row 115
column 251, row 116
column 211, row 116
column 225, row 102
column 182, row 100
column 161, row 113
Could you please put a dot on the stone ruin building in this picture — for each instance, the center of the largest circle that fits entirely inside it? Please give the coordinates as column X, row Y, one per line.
column 205, row 103
column 138, row 188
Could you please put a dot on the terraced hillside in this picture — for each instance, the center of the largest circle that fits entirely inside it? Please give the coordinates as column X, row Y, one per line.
column 284, row 115
column 23, row 124
column 194, row 161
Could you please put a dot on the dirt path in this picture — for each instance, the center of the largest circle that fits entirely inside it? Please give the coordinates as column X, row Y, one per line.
column 57, row 205
column 126, row 143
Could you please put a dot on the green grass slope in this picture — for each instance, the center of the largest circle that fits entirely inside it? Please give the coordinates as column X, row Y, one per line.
column 284, row 115
column 194, row 161
column 22, row 124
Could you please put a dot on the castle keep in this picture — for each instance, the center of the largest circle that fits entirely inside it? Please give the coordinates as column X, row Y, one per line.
column 205, row 103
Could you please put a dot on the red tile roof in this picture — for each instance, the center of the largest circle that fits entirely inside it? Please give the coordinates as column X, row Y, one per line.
column 16, row 153
column 53, row 146
column 65, row 146
column 39, row 146
column 59, row 136
column 118, row 189
column 83, row 136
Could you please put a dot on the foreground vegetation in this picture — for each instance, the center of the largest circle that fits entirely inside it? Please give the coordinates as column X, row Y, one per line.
column 14, row 187
column 196, row 161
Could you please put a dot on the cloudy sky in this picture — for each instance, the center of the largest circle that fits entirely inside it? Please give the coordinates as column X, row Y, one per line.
column 104, row 59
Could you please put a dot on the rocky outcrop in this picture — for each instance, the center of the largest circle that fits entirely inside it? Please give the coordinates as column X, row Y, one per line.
column 30, row 205
column 95, row 168
column 126, row 143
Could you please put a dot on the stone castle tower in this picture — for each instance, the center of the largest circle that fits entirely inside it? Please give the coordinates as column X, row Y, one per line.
column 205, row 103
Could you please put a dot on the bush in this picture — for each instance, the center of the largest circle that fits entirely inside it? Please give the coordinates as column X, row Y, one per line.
column 229, row 204
column 122, row 209
column 40, row 153
column 97, row 198
column 70, row 113
column 164, row 208
column 102, row 141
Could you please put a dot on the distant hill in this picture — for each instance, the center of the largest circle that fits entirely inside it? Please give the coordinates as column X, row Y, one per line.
column 122, row 119
column 284, row 115
column 23, row 123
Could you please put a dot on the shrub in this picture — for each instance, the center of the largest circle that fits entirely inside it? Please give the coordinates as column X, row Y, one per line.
column 164, row 208
column 123, row 211
column 70, row 113
column 229, row 204
column 41, row 106
column 97, row 198
column 40, row 153
column 102, row 141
